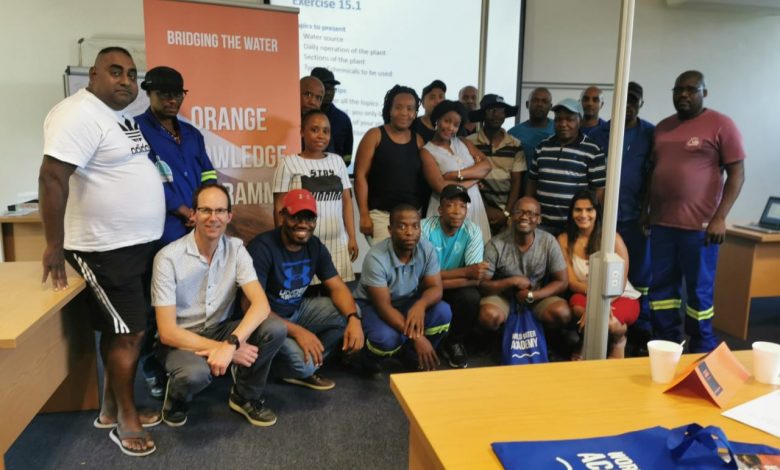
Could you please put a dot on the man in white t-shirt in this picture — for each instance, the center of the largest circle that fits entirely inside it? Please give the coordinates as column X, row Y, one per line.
column 103, row 207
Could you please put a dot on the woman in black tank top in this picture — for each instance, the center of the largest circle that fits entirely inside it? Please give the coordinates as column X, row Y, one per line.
column 388, row 170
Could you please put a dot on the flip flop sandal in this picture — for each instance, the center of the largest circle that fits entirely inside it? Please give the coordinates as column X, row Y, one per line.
column 100, row 425
column 116, row 436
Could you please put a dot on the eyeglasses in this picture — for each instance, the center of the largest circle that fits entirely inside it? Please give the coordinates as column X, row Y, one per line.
column 522, row 213
column 691, row 90
column 172, row 95
column 208, row 211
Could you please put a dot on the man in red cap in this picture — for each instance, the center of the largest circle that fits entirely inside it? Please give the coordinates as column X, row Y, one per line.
column 286, row 259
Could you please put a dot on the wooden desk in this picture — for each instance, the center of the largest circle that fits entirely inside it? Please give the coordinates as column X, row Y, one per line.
column 23, row 238
column 748, row 266
column 47, row 351
column 455, row 415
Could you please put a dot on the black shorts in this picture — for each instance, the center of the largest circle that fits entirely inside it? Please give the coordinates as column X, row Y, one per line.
column 116, row 279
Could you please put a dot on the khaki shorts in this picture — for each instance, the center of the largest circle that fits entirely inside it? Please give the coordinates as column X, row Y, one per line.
column 502, row 303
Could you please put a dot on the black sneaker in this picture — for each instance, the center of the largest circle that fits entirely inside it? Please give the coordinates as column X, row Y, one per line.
column 455, row 354
column 253, row 410
column 174, row 412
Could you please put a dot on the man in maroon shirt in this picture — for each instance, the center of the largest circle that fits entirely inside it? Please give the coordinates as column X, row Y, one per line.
column 689, row 202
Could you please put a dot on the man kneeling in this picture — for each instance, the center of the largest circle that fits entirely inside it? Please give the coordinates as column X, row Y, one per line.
column 194, row 288
column 400, row 293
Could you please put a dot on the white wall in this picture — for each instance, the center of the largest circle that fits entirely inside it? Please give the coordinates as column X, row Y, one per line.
column 567, row 40
column 37, row 41
column 576, row 41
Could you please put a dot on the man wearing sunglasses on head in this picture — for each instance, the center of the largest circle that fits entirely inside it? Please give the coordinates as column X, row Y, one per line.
column 178, row 149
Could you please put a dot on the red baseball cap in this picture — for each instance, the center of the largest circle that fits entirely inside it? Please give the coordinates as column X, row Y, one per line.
column 299, row 200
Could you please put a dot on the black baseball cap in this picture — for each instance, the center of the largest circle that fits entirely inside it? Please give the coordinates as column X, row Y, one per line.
column 434, row 84
column 325, row 76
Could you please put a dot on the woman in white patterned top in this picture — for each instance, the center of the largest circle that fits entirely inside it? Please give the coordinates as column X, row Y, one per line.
column 325, row 176
column 449, row 159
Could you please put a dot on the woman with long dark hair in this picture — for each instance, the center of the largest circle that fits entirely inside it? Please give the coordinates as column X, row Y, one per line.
column 581, row 239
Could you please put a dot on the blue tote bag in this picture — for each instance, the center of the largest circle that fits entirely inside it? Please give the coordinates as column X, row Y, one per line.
column 523, row 341
column 691, row 447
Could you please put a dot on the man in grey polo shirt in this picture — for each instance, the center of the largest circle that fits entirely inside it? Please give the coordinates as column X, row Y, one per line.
column 524, row 264
column 194, row 287
column 400, row 293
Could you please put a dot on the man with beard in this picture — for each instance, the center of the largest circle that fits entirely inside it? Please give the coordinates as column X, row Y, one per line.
column 501, row 187
column 286, row 259
column 565, row 163
column 689, row 202
column 526, row 264
column 400, row 293
column 194, row 288
column 178, row 149
column 458, row 245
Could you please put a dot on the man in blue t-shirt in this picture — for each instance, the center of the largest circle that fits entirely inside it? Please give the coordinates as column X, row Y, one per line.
column 286, row 259
column 538, row 126
column 458, row 244
column 634, row 170
column 400, row 293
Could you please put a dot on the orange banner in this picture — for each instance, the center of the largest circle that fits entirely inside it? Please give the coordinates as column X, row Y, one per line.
column 240, row 65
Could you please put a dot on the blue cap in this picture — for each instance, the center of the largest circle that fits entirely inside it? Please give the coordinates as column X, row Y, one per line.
column 569, row 104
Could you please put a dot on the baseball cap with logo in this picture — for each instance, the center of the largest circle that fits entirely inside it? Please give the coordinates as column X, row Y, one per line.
column 299, row 200
column 452, row 191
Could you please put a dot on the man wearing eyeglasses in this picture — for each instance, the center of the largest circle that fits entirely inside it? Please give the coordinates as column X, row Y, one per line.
column 689, row 202
column 525, row 264
column 286, row 259
column 178, row 149
column 194, row 286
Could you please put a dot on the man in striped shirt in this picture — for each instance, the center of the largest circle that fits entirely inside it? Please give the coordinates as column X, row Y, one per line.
column 565, row 163
column 501, row 188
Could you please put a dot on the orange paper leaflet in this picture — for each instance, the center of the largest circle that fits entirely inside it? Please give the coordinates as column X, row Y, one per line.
column 718, row 375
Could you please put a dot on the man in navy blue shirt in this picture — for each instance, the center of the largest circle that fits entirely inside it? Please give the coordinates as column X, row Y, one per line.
column 178, row 149
column 592, row 100
column 286, row 259
column 341, row 139
column 637, row 147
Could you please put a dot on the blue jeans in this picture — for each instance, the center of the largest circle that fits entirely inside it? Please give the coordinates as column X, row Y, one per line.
column 320, row 316
column 384, row 341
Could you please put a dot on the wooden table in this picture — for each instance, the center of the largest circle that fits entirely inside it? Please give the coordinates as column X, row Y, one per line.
column 47, row 351
column 748, row 267
column 455, row 415
column 23, row 238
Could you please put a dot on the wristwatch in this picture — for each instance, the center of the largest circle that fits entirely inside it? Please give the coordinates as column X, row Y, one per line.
column 529, row 299
column 355, row 314
column 506, row 214
column 233, row 339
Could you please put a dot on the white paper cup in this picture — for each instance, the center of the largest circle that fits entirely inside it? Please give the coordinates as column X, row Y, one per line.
column 766, row 362
column 664, row 356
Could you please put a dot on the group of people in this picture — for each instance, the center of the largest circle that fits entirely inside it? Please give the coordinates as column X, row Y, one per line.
column 462, row 217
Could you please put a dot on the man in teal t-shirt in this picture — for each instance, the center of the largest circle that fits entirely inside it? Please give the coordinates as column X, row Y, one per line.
column 458, row 244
